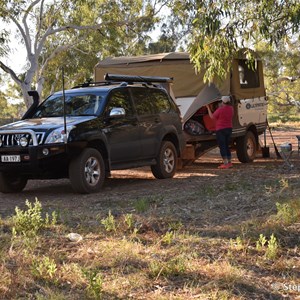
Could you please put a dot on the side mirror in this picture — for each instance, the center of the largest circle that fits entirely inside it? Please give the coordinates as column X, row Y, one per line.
column 117, row 112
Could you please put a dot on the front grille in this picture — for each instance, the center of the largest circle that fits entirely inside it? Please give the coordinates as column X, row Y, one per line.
column 12, row 139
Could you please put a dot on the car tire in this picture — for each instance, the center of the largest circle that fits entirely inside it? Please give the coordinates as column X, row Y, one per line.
column 166, row 161
column 10, row 183
column 87, row 172
column 246, row 147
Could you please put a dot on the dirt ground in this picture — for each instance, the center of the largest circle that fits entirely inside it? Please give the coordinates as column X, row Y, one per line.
column 200, row 195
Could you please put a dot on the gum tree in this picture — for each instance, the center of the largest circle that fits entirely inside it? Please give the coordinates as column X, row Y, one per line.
column 49, row 28
column 217, row 28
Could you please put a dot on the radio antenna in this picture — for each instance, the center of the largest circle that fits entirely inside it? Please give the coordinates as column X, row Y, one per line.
column 64, row 105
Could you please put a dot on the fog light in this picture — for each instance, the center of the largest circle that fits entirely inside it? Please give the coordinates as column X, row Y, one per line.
column 45, row 151
column 23, row 141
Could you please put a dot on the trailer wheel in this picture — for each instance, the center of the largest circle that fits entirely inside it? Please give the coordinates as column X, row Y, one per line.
column 87, row 172
column 10, row 183
column 246, row 147
column 166, row 161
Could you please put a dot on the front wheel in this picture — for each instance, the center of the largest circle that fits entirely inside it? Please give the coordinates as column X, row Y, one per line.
column 166, row 161
column 10, row 183
column 87, row 172
column 246, row 147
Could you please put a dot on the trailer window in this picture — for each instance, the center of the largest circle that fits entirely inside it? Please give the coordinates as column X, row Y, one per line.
column 248, row 74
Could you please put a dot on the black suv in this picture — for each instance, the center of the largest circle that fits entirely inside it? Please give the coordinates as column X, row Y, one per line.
column 85, row 132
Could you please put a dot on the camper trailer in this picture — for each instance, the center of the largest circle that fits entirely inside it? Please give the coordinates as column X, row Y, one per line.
column 244, row 84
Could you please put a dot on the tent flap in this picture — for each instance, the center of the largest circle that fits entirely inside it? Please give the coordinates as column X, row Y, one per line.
column 210, row 93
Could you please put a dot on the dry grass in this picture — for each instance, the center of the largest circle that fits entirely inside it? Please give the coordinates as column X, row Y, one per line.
column 151, row 262
column 199, row 243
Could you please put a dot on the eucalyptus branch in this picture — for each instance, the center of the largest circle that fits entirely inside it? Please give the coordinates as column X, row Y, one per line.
column 10, row 72
column 57, row 51
column 24, row 20
column 23, row 34
column 39, row 24
column 51, row 31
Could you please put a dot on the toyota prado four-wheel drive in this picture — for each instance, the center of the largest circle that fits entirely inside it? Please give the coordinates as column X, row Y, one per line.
column 85, row 132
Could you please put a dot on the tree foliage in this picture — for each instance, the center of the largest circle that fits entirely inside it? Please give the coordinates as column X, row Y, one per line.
column 282, row 76
column 71, row 34
column 9, row 111
column 75, row 35
column 219, row 28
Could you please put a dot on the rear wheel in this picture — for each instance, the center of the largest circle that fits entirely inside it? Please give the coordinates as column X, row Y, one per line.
column 87, row 172
column 246, row 147
column 10, row 183
column 166, row 161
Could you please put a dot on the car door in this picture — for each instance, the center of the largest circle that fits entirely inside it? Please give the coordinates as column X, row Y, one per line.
column 149, row 121
column 122, row 131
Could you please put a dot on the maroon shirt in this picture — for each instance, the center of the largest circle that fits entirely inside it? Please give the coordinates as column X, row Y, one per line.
column 223, row 116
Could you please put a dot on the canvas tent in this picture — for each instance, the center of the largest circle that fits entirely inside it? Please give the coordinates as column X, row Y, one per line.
column 175, row 64
column 189, row 89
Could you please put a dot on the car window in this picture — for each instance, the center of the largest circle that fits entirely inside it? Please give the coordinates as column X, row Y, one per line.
column 143, row 101
column 76, row 105
column 160, row 100
column 120, row 98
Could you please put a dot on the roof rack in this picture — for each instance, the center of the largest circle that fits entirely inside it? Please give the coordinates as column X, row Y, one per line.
column 91, row 83
column 136, row 78
column 122, row 79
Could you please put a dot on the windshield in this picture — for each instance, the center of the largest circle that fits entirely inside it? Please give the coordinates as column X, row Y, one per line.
column 76, row 105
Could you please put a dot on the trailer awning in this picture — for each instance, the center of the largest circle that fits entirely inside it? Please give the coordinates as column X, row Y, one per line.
column 187, row 83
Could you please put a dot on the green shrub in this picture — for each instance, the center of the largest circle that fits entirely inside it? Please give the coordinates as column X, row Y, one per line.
column 129, row 221
column 168, row 237
column 28, row 222
column 141, row 205
column 272, row 249
column 95, row 283
column 109, row 222
column 44, row 268
column 260, row 244
column 173, row 267
column 286, row 213
column 269, row 246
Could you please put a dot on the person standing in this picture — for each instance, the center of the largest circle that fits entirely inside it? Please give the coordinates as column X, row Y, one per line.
column 223, row 118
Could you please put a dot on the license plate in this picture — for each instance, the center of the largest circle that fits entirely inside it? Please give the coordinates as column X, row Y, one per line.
column 10, row 158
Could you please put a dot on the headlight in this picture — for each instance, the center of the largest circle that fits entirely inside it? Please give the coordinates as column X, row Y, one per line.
column 23, row 141
column 58, row 135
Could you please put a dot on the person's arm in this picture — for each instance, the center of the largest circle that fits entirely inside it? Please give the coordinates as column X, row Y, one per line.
column 209, row 112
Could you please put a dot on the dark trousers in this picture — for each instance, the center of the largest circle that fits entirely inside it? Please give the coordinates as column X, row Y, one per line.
column 223, row 139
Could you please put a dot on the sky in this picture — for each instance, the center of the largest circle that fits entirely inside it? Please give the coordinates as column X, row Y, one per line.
column 16, row 58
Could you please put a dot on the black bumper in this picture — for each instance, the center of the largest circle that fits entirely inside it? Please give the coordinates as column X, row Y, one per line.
column 35, row 163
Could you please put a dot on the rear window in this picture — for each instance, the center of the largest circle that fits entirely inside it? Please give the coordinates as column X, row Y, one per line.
column 150, row 101
column 160, row 101
column 248, row 74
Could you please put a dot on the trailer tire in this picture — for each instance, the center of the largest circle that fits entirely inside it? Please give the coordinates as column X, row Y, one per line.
column 166, row 161
column 87, row 172
column 246, row 147
column 10, row 183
